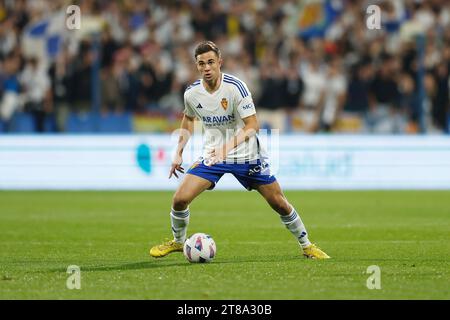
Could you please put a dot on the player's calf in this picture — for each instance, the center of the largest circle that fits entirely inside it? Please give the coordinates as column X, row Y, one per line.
column 280, row 204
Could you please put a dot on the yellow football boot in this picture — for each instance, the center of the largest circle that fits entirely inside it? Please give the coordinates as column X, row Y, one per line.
column 314, row 252
column 166, row 248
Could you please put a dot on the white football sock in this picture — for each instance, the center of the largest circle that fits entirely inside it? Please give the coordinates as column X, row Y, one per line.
column 179, row 221
column 296, row 227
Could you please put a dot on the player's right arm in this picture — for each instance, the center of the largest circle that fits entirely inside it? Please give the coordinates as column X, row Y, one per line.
column 186, row 130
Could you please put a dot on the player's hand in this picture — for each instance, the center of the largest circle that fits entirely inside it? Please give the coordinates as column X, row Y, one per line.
column 215, row 156
column 176, row 166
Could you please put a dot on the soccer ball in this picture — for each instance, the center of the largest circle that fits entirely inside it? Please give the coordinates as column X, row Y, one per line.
column 200, row 247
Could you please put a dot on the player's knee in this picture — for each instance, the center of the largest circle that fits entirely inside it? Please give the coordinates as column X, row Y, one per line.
column 180, row 201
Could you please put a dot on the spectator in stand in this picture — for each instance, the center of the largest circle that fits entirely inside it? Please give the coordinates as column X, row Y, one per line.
column 293, row 87
column 334, row 97
column 384, row 99
column 408, row 102
column 81, row 80
column 313, row 96
column 112, row 95
column 60, row 75
column 37, row 94
column 358, row 89
column 8, row 37
column 441, row 102
column 271, row 98
column 267, row 41
column 292, row 90
column 9, row 100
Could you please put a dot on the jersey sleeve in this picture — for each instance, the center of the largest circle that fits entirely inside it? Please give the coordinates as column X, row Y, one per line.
column 245, row 105
column 187, row 107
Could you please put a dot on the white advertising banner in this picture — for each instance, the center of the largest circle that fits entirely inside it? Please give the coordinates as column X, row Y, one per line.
column 142, row 162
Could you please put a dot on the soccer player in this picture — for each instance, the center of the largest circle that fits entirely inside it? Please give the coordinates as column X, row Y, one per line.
column 223, row 102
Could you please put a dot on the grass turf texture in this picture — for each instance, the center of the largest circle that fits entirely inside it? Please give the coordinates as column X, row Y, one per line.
column 108, row 234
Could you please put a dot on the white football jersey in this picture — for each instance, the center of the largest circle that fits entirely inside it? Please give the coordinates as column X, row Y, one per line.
column 221, row 115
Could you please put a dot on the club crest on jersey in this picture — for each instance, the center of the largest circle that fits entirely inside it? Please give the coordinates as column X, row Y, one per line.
column 224, row 103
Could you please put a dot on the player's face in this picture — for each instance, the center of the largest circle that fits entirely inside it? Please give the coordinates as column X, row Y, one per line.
column 208, row 64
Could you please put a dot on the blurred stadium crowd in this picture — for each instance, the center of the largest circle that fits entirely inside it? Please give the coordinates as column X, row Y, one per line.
column 312, row 66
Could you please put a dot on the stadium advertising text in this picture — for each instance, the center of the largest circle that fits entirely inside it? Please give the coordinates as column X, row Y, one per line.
column 313, row 162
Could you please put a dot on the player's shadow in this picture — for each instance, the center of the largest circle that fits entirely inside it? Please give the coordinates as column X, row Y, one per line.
column 182, row 263
column 128, row 266
column 136, row 266
column 179, row 263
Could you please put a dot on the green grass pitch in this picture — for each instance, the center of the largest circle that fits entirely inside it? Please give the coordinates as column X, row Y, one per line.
column 108, row 235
